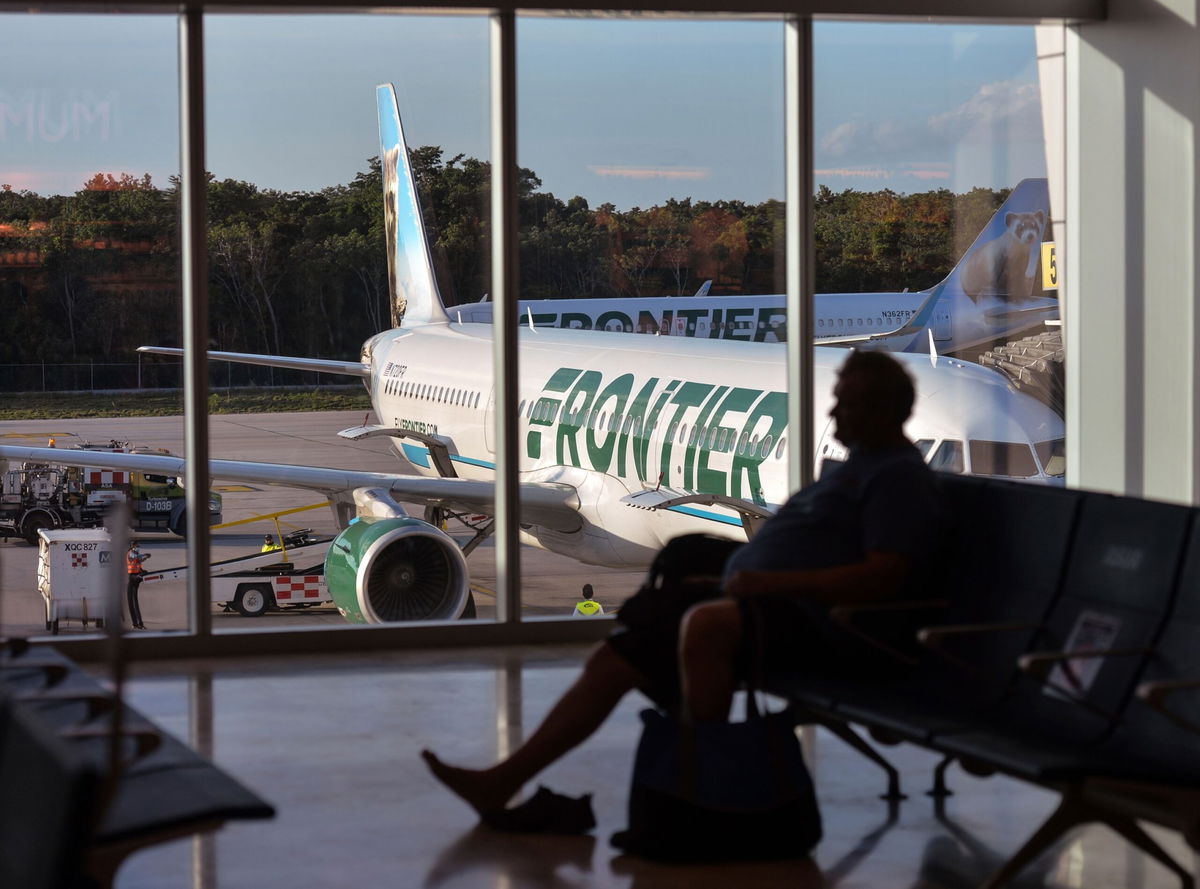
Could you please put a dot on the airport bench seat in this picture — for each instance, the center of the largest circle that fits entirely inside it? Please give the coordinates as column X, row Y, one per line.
column 1066, row 657
column 49, row 793
column 164, row 789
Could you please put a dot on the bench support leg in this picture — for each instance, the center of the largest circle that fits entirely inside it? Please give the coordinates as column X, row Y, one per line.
column 1068, row 814
column 939, row 790
column 1071, row 812
column 1133, row 832
column 851, row 737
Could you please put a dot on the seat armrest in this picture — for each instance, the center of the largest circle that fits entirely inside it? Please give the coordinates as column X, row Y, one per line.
column 932, row 637
column 145, row 740
column 1038, row 663
column 54, row 671
column 845, row 615
column 1155, row 695
column 97, row 702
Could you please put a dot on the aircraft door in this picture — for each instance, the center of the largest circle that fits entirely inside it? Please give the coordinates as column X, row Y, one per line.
column 829, row 449
column 489, row 422
column 943, row 323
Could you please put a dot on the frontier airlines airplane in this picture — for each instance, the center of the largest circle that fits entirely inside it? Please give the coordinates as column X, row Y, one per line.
column 992, row 295
column 625, row 441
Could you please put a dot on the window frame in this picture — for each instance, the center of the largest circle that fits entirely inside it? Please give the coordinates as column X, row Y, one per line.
column 509, row 627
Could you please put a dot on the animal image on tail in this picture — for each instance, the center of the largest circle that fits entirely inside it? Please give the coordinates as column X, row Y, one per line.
column 1007, row 264
column 390, row 160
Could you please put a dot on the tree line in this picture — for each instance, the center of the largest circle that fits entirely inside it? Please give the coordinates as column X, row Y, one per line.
column 91, row 276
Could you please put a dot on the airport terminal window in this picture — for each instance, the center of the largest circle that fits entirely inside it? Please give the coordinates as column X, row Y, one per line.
column 847, row 143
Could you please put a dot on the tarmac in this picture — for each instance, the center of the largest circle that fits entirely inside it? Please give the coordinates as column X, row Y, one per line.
column 550, row 583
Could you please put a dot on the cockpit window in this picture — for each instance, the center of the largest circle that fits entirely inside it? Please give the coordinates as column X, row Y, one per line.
column 1006, row 458
column 1053, row 455
column 923, row 445
column 948, row 457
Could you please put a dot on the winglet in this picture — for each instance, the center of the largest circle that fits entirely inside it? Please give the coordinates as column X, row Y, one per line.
column 933, row 355
column 413, row 287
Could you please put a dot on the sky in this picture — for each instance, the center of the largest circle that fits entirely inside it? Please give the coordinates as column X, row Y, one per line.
column 628, row 112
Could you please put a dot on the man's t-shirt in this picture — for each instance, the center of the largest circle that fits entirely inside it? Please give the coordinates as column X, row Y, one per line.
column 877, row 501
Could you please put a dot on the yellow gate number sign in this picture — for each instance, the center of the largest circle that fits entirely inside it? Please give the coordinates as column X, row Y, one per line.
column 1049, row 266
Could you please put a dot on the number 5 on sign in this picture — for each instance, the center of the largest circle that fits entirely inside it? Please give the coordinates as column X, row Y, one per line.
column 1049, row 266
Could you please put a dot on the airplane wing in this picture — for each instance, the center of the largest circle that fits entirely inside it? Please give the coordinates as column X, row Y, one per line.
column 548, row 504
column 319, row 365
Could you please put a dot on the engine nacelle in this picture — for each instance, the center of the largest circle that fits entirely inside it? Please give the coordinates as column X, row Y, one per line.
column 382, row 570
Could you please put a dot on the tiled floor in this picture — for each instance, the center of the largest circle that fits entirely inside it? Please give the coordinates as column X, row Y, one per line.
column 333, row 741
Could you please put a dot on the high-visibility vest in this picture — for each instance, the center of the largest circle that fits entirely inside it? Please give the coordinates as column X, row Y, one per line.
column 133, row 563
column 588, row 608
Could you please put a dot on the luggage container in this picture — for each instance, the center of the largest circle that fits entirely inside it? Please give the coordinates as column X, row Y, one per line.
column 75, row 570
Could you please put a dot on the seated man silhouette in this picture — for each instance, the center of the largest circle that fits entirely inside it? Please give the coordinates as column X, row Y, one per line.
column 861, row 534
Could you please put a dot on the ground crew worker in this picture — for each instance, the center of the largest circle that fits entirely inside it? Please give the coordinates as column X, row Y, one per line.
column 134, row 569
column 589, row 607
column 269, row 544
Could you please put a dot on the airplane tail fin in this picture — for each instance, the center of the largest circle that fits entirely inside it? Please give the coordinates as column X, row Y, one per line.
column 1003, row 259
column 415, row 298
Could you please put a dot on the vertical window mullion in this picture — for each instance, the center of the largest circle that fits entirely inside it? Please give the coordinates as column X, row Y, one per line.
column 504, row 311
column 798, row 98
column 194, row 258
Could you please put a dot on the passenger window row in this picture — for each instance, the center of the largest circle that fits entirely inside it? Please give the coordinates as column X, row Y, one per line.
column 431, row 392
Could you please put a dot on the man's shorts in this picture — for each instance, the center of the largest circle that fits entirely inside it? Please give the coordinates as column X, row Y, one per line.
column 780, row 635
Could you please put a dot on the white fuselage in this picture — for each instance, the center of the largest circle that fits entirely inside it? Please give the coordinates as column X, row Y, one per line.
column 614, row 418
column 957, row 323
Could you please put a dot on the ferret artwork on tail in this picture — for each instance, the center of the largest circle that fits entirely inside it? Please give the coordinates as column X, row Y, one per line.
column 415, row 298
column 1003, row 261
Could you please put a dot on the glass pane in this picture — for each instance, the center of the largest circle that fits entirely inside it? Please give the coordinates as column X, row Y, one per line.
column 89, row 270
column 651, row 178
column 299, row 243
column 933, row 225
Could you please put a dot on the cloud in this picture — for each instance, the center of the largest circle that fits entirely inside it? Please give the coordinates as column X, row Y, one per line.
column 853, row 172
column 995, row 111
column 653, row 172
column 1004, row 111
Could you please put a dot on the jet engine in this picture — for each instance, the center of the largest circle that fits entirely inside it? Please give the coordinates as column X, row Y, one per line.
column 397, row 569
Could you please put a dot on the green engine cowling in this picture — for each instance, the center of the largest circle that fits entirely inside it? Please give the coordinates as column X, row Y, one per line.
column 381, row 570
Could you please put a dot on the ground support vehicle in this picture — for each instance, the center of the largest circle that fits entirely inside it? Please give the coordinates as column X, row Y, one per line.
column 156, row 502
column 75, row 569
column 53, row 496
column 34, row 497
column 290, row 577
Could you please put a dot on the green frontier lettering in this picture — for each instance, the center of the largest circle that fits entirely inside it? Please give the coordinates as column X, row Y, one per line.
column 641, row 443
column 714, row 481
column 635, row 423
column 576, row 411
column 545, row 410
column 773, row 408
column 689, row 395
column 600, row 453
column 698, row 437
column 630, row 423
